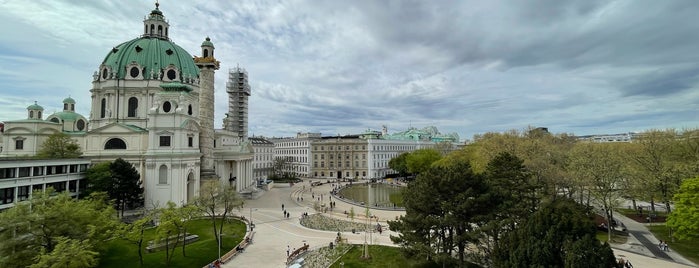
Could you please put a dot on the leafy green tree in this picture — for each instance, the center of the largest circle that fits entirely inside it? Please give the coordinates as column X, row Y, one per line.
column 59, row 145
column 169, row 230
column 127, row 192
column 39, row 225
column 561, row 233
column 99, row 178
column 217, row 200
column 133, row 232
column 420, row 160
column 510, row 182
column 442, row 205
column 120, row 180
column 398, row 164
column 684, row 220
column 69, row 253
column 601, row 169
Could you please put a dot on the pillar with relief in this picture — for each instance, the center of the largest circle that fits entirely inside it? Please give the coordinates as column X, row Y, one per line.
column 207, row 65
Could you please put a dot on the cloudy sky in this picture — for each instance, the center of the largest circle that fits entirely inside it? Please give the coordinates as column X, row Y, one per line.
column 340, row 67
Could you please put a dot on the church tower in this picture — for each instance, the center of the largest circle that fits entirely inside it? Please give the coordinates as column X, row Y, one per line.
column 207, row 65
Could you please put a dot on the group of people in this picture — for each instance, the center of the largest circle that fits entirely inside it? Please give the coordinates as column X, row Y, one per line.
column 663, row 246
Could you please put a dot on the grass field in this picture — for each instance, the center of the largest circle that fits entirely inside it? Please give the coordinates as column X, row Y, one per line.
column 382, row 256
column 121, row 253
column 687, row 248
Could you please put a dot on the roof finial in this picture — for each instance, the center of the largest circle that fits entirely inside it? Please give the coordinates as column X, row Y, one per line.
column 156, row 4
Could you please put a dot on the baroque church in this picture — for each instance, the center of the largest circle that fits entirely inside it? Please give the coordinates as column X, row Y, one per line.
column 152, row 105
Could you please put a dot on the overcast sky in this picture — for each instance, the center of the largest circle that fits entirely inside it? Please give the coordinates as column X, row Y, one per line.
column 341, row 67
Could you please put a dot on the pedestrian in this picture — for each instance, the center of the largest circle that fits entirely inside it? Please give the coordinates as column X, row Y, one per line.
column 282, row 206
column 302, row 199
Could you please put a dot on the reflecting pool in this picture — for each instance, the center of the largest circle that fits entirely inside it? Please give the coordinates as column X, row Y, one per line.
column 381, row 195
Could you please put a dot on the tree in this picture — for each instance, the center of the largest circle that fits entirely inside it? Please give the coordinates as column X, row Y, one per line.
column 69, row 253
column 41, row 224
column 561, row 233
column 217, row 200
column 398, row 164
column 510, row 182
column 59, row 145
column 601, row 170
column 169, row 228
column 99, row 178
column 442, row 205
column 120, row 180
column 684, row 220
column 420, row 160
column 133, row 232
column 128, row 192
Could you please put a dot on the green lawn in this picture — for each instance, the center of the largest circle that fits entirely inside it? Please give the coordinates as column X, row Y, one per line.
column 687, row 248
column 121, row 253
column 382, row 256
column 616, row 239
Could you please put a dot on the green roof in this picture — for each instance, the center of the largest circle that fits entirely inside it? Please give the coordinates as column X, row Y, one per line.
column 66, row 116
column 152, row 53
column 175, row 86
column 35, row 107
column 207, row 43
column 69, row 100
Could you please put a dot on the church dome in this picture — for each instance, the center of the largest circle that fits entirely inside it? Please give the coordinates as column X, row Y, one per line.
column 153, row 55
column 35, row 107
column 69, row 100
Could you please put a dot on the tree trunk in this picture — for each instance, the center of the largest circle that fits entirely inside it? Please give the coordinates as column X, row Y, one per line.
column 633, row 201
column 184, row 240
column 140, row 247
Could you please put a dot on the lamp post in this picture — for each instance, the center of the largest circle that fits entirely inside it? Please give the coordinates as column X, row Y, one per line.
column 251, row 222
column 219, row 246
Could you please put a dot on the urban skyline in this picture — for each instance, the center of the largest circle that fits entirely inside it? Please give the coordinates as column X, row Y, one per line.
column 335, row 67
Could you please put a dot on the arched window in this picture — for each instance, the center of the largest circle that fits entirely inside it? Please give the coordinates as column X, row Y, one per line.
column 162, row 175
column 206, row 53
column 55, row 120
column 115, row 144
column 65, row 106
column 160, row 30
column 189, row 109
column 152, row 28
column 103, row 108
column 31, row 114
column 133, row 105
column 39, row 115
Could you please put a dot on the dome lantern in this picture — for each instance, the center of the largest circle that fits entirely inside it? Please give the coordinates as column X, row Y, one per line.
column 34, row 111
column 155, row 25
column 207, row 48
column 68, row 104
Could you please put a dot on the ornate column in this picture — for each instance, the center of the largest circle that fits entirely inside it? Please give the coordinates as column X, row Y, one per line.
column 207, row 66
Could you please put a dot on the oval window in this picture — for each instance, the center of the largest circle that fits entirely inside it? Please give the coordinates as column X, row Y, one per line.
column 171, row 74
column 80, row 124
column 134, row 72
column 104, row 73
column 167, row 106
column 189, row 109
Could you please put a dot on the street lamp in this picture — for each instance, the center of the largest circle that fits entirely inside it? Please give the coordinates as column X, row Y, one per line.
column 219, row 246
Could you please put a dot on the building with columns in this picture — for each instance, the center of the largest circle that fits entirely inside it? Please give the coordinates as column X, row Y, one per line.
column 152, row 105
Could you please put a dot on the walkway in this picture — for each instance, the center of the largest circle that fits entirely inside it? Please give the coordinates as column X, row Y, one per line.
column 274, row 233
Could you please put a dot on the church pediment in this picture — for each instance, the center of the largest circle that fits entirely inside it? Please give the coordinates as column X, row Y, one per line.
column 190, row 125
column 118, row 128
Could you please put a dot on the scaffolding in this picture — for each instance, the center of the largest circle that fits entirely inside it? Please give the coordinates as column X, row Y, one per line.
column 238, row 91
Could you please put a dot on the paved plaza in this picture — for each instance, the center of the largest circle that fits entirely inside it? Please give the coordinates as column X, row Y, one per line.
column 274, row 233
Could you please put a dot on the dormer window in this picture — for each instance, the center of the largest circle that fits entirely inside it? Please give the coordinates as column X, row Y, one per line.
column 171, row 74
column 134, row 70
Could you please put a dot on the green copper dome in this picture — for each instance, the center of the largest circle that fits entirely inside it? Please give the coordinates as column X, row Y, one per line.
column 207, row 43
column 35, row 107
column 69, row 100
column 152, row 54
column 65, row 116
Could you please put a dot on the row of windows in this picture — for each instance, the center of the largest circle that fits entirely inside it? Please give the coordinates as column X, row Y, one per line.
column 394, row 147
column 132, row 108
column 332, row 156
column 23, row 172
column 7, row 195
column 331, row 164
column 339, row 147
column 339, row 174
column 292, row 144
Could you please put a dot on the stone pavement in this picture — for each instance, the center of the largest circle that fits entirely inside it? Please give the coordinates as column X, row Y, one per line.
column 274, row 233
